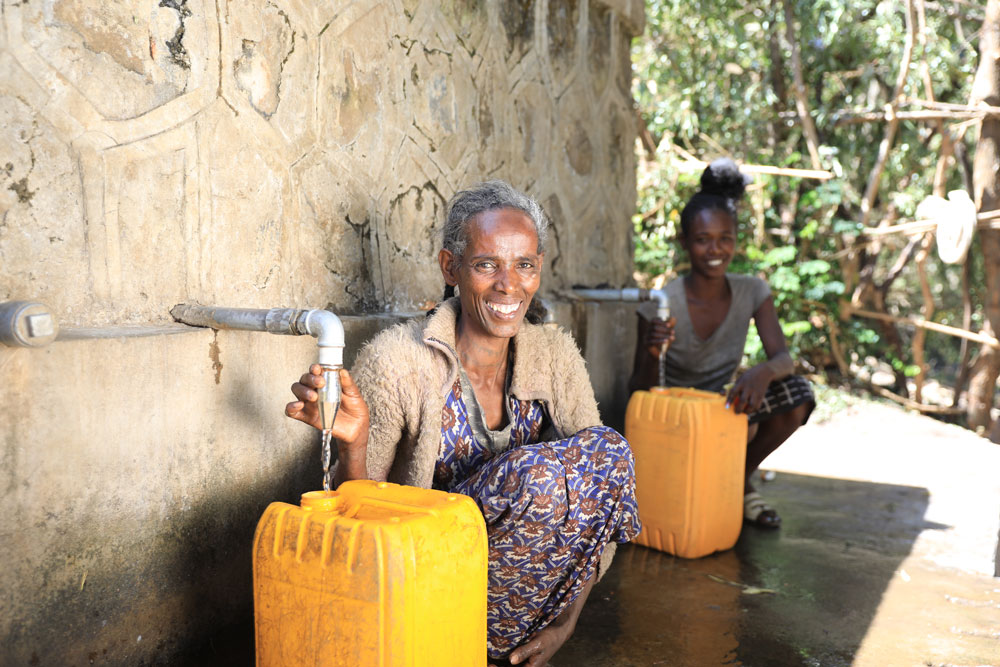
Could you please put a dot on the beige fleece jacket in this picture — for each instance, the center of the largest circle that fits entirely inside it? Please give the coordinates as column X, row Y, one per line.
column 406, row 372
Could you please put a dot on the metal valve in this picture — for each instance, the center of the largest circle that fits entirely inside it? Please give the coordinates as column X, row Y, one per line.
column 26, row 324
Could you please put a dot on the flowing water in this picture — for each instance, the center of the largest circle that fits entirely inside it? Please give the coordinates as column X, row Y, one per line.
column 327, row 482
column 663, row 366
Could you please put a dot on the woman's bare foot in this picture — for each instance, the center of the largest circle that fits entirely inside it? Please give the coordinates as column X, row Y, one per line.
column 544, row 643
column 542, row 646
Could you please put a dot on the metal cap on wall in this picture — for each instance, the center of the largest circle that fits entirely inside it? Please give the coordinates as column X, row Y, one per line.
column 27, row 324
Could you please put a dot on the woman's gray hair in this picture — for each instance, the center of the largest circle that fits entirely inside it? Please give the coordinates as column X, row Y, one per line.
column 489, row 196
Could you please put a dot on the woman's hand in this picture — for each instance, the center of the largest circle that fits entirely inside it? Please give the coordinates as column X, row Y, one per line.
column 659, row 335
column 748, row 392
column 351, row 425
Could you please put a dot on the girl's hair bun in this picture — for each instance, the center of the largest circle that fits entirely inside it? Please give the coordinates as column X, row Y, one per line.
column 722, row 177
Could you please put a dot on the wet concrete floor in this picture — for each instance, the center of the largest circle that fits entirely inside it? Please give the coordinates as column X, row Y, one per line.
column 885, row 558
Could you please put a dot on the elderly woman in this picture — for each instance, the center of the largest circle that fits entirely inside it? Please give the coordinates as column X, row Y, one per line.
column 474, row 399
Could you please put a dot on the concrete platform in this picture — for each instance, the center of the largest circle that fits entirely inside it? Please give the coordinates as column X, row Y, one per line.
column 885, row 559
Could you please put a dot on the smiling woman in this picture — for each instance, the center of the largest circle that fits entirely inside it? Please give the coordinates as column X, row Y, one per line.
column 705, row 339
column 497, row 274
column 477, row 399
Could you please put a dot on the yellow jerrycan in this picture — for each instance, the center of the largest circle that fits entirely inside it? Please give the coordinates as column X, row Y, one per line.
column 690, row 454
column 372, row 574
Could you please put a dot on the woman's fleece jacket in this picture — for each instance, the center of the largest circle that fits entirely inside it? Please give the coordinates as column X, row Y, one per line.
column 407, row 371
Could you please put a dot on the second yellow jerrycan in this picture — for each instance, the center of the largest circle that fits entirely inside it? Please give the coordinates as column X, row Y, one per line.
column 372, row 574
column 690, row 454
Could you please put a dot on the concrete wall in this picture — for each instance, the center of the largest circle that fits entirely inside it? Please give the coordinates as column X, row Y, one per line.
column 252, row 154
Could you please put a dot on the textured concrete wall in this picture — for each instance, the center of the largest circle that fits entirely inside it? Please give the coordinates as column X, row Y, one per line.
column 251, row 154
column 260, row 152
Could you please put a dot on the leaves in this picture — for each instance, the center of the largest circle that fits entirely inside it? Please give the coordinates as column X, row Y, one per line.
column 713, row 78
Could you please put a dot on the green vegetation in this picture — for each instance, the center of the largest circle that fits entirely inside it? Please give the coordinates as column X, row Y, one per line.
column 716, row 78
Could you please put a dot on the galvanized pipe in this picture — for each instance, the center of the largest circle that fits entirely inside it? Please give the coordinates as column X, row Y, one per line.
column 321, row 324
column 629, row 294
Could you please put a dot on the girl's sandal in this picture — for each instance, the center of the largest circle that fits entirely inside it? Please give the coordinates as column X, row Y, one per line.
column 758, row 512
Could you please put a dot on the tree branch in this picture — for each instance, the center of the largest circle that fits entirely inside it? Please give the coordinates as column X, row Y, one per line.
column 801, row 94
column 871, row 192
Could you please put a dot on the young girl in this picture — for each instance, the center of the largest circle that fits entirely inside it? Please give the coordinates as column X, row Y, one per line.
column 705, row 336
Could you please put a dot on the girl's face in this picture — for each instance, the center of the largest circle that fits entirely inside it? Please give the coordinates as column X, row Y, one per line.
column 499, row 273
column 711, row 242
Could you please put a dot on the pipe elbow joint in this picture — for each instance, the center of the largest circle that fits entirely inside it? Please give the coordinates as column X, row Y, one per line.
column 662, row 303
column 329, row 333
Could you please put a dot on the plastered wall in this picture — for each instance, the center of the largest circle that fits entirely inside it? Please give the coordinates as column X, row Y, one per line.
column 251, row 154
column 260, row 153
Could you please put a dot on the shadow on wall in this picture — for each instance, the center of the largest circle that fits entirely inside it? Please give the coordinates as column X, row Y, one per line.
column 199, row 567
column 223, row 572
column 202, row 565
column 803, row 595
column 130, row 539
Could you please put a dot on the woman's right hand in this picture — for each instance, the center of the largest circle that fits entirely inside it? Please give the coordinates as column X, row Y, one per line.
column 659, row 335
column 351, row 425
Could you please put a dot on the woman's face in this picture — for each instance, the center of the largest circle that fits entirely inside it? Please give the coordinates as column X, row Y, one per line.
column 499, row 273
column 711, row 242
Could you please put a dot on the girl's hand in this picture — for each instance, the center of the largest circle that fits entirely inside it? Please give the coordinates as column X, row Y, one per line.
column 659, row 335
column 748, row 392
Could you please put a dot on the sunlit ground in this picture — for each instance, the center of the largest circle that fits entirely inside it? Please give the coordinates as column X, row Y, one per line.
column 885, row 558
column 942, row 601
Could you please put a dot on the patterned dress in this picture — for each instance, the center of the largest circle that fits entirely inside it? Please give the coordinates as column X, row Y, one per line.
column 550, row 509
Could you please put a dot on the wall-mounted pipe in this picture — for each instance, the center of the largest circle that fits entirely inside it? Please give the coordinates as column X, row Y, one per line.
column 629, row 294
column 634, row 294
column 27, row 324
column 321, row 324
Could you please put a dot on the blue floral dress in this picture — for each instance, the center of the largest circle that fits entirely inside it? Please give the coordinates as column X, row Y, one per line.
column 550, row 509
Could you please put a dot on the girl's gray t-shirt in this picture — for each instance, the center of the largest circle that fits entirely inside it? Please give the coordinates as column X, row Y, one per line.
column 709, row 364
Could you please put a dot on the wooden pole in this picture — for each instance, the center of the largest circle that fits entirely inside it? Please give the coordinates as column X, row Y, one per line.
column 965, row 351
column 985, row 220
column 817, row 174
column 932, row 116
column 871, row 192
column 913, row 405
column 946, row 154
column 801, row 94
column 983, row 339
column 986, row 187
column 934, row 104
column 920, row 335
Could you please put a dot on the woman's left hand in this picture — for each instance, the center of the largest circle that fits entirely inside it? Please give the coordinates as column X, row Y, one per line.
column 748, row 392
column 542, row 646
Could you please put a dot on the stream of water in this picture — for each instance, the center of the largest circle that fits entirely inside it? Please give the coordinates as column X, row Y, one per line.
column 327, row 482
